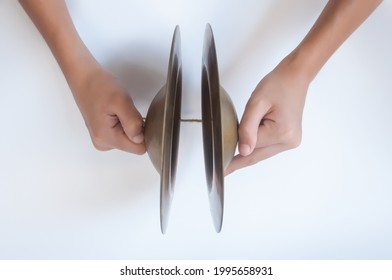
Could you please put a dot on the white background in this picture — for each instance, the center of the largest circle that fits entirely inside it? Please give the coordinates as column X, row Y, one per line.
column 328, row 199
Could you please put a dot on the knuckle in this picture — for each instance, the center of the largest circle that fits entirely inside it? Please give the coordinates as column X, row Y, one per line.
column 134, row 126
column 140, row 152
column 245, row 129
column 99, row 141
column 291, row 138
column 252, row 160
column 99, row 147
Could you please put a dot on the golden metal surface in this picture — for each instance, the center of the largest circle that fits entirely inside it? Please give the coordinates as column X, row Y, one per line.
column 220, row 125
column 219, row 121
column 162, row 129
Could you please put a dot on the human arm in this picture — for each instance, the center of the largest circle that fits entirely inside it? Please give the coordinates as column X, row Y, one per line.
column 108, row 111
column 272, row 120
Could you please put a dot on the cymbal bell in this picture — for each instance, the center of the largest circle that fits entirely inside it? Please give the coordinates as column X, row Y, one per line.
column 219, row 123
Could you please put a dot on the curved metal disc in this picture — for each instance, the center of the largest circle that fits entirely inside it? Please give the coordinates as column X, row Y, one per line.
column 162, row 129
column 219, row 128
column 171, row 134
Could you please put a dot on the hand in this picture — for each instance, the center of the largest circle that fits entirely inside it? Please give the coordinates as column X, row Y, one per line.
column 272, row 121
column 109, row 113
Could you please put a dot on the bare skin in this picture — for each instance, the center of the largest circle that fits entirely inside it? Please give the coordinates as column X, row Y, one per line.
column 108, row 111
column 272, row 120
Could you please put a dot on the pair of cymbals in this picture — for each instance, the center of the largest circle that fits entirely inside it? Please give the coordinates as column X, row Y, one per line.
column 219, row 122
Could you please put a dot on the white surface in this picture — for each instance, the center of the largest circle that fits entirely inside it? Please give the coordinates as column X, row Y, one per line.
column 328, row 199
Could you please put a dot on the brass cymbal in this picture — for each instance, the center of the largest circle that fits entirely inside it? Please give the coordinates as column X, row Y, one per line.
column 219, row 122
column 162, row 129
column 220, row 125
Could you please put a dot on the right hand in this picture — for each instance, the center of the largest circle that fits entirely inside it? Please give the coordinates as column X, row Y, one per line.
column 272, row 121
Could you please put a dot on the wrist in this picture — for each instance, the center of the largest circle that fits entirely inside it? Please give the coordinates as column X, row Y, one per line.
column 301, row 65
column 76, row 62
column 295, row 72
column 80, row 72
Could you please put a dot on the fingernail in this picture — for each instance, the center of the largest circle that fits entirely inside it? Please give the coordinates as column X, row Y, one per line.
column 138, row 139
column 244, row 150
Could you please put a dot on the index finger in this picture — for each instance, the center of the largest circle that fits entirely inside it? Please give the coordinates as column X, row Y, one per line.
column 258, row 155
column 120, row 140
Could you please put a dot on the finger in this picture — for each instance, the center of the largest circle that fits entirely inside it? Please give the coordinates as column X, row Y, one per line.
column 119, row 140
column 267, row 134
column 249, row 126
column 240, row 161
column 131, row 121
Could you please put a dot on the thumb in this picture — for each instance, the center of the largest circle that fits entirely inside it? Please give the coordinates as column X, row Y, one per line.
column 249, row 126
column 131, row 121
